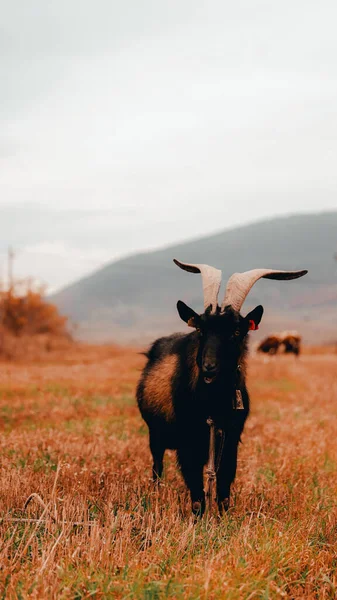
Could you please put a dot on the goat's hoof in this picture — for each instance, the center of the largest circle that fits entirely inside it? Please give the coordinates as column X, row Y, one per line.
column 223, row 506
column 198, row 508
column 156, row 482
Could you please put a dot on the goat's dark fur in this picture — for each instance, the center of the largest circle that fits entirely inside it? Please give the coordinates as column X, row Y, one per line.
column 175, row 400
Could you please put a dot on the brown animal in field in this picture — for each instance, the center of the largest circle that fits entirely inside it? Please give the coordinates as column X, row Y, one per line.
column 190, row 379
column 291, row 342
column 288, row 341
column 270, row 344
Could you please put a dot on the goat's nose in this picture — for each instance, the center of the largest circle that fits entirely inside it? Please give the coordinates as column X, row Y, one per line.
column 209, row 367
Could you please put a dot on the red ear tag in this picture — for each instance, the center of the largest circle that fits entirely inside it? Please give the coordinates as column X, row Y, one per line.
column 252, row 326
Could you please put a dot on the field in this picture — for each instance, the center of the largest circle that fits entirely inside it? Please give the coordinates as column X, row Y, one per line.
column 97, row 528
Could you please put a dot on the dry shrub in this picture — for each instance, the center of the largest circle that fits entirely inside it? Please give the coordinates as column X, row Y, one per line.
column 28, row 323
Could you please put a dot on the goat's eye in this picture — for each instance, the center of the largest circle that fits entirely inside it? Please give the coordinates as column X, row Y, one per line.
column 237, row 332
column 199, row 331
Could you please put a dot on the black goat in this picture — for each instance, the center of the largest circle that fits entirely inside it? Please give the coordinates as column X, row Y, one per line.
column 189, row 378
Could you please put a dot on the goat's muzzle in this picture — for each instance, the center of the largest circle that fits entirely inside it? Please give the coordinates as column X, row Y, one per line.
column 209, row 373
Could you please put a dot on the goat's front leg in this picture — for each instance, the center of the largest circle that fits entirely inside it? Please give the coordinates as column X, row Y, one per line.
column 227, row 470
column 191, row 467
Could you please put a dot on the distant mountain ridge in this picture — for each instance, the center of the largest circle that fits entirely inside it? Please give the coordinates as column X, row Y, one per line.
column 134, row 299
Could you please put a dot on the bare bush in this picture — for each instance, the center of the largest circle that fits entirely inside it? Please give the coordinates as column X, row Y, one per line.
column 28, row 322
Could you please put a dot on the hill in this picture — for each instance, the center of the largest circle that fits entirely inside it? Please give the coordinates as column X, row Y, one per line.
column 134, row 299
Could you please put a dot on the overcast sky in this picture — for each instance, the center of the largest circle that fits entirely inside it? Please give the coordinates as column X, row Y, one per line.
column 130, row 125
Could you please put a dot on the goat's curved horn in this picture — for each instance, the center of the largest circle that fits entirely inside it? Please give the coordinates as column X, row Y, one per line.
column 240, row 284
column 211, row 281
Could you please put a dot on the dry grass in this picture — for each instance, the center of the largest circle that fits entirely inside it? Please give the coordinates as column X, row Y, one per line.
column 97, row 528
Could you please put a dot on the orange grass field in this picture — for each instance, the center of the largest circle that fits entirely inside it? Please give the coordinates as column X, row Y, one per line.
column 97, row 528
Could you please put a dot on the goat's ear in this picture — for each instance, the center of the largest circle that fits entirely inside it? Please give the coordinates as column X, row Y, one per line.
column 188, row 315
column 254, row 317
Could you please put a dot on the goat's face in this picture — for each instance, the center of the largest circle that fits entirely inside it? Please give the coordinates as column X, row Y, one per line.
column 222, row 337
